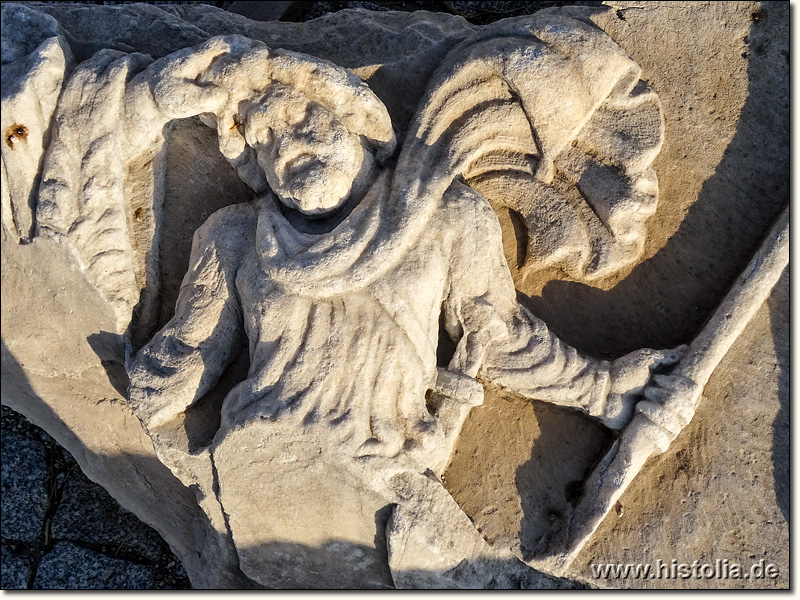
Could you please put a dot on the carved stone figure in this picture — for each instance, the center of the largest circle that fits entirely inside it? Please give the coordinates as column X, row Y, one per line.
column 339, row 293
column 366, row 278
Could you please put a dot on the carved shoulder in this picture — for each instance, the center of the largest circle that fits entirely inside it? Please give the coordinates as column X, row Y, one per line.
column 229, row 233
column 468, row 212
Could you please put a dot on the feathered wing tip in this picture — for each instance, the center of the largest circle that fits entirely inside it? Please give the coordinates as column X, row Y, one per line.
column 82, row 193
column 546, row 116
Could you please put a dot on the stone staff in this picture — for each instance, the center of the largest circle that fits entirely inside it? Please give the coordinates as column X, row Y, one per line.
column 656, row 424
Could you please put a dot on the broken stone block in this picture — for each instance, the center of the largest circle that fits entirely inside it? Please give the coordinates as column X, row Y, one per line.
column 306, row 282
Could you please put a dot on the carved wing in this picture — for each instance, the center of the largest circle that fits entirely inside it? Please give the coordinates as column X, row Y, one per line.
column 548, row 117
column 100, row 192
column 36, row 60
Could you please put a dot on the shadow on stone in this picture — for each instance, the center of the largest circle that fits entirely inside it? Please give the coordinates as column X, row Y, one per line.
column 171, row 509
column 666, row 300
column 296, row 566
column 140, row 483
column 110, row 349
column 568, row 447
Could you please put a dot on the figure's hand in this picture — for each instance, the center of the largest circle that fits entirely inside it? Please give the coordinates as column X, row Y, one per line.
column 669, row 403
column 176, row 85
column 171, row 88
column 200, row 79
column 629, row 376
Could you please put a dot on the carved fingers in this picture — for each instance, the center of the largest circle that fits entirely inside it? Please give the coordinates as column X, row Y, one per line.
column 178, row 98
column 669, row 402
column 617, row 411
column 191, row 81
column 631, row 377
column 656, row 405
column 630, row 373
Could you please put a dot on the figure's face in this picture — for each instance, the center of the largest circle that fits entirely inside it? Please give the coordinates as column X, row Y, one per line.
column 310, row 159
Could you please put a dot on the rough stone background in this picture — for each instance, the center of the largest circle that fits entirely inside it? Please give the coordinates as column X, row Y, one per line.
column 61, row 531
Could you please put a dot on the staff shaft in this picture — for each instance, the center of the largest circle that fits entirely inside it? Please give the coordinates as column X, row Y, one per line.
column 629, row 453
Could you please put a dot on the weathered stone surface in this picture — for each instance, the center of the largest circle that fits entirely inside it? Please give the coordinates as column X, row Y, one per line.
column 720, row 490
column 100, row 572
column 388, row 50
column 280, row 550
column 619, row 272
column 24, row 487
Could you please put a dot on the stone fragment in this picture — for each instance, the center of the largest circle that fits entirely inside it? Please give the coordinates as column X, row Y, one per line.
column 57, row 571
column 25, row 494
column 277, row 533
column 611, row 258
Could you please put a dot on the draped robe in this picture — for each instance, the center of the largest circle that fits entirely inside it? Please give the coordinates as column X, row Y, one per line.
column 355, row 366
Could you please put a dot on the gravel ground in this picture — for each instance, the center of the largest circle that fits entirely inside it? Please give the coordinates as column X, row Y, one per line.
column 54, row 518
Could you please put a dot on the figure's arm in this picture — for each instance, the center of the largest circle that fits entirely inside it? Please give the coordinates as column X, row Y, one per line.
column 186, row 358
column 506, row 344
